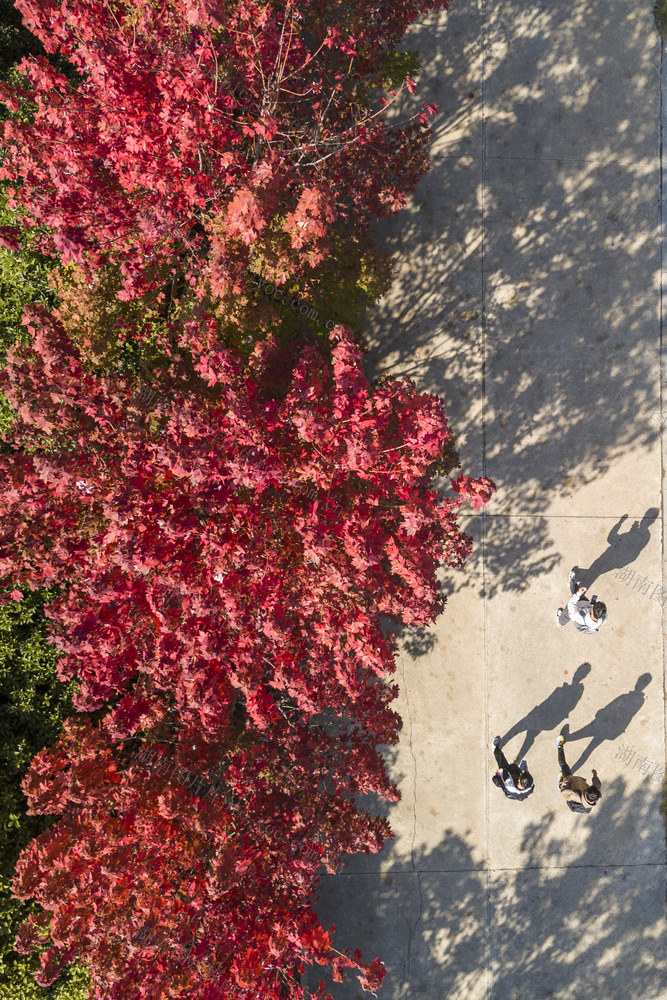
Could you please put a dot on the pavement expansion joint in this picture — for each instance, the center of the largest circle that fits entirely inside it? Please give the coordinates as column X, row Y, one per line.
column 602, row 866
column 414, row 765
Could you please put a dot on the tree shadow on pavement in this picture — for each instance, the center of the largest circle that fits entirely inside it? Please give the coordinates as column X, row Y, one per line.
column 549, row 714
column 415, row 640
column 418, row 641
column 610, row 722
column 524, row 285
column 571, row 919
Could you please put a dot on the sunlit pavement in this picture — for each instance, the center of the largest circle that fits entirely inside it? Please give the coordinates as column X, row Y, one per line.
column 528, row 294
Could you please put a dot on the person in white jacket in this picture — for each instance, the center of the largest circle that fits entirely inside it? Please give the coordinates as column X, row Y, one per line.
column 587, row 616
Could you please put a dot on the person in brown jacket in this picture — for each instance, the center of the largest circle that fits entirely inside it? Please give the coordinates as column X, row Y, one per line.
column 579, row 795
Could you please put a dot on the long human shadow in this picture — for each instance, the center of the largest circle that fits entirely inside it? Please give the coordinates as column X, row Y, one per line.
column 549, row 713
column 529, row 307
column 446, row 927
column 623, row 548
column 610, row 722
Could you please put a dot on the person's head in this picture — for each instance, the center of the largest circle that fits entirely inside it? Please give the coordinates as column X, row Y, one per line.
column 598, row 611
column 591, row 795
column 525, row 779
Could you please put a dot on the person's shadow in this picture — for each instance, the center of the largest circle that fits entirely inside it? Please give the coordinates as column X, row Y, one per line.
column 610, row 721
column 549, row 713
column 623, row 549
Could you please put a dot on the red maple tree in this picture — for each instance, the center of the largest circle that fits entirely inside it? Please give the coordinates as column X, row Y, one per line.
column 166, row 891
column 201, row 136
column 240, row 540
column 228, row 519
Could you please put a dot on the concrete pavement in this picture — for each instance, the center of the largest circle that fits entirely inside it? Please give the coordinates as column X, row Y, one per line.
column 528, row 294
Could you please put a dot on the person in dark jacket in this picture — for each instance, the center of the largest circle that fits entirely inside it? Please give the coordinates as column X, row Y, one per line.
column 515, row 783
column 579, row 795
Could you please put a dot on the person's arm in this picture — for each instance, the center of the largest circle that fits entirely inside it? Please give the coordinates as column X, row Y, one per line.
column 506, row 778
column 573, row 603
column 515, row 773
column 569, row 794
column 612, row 537
column 597, row 782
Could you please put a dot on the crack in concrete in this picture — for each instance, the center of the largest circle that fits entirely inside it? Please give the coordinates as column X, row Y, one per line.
column 414, row 927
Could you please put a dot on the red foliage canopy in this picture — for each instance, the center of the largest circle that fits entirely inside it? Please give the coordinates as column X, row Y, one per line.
column 257, row 536
column 242, row 539
column 166, row 892
column 198, row 127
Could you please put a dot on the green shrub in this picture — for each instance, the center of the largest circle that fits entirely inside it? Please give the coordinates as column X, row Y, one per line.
column 33, row 704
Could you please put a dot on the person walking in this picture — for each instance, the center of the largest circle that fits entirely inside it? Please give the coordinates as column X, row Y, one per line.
column 587, row 616
column 579, row 795
column 516, row 782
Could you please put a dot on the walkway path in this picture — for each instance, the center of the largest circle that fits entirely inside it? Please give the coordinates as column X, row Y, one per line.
column 528, row 294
